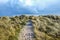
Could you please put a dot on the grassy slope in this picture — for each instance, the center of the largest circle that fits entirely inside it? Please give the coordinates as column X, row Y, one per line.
column 10, row 27
column 45, row 27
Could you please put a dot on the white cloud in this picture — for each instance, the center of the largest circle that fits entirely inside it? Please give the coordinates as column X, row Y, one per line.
column 27, row 2
column 21, row 1
column 39, row 4
column 4, row 1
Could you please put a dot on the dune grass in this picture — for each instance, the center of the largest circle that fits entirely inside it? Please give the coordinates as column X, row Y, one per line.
column 45, row 27
column 10, row 27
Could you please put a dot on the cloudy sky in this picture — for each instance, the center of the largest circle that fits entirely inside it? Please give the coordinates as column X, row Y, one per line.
column 32, row 7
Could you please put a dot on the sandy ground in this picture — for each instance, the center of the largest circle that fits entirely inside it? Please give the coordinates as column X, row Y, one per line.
column 26, row 33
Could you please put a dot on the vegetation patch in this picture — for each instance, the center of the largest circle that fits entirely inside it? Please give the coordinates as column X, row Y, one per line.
column 45, row 27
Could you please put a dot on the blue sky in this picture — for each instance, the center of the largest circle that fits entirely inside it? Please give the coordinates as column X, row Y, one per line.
column 29, row 7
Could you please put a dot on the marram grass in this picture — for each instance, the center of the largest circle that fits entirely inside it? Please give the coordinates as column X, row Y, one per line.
column 45, row 27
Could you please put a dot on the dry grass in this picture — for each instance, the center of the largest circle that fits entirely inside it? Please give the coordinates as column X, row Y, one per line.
column 10, row 27
column 45, row 27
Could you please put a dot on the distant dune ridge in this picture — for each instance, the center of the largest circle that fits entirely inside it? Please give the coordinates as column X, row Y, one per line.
column 45, row 27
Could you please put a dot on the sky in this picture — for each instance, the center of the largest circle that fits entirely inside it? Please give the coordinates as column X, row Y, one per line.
column 29, row 7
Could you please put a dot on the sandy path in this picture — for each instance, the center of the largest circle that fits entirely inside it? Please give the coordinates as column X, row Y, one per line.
column 26, row 33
